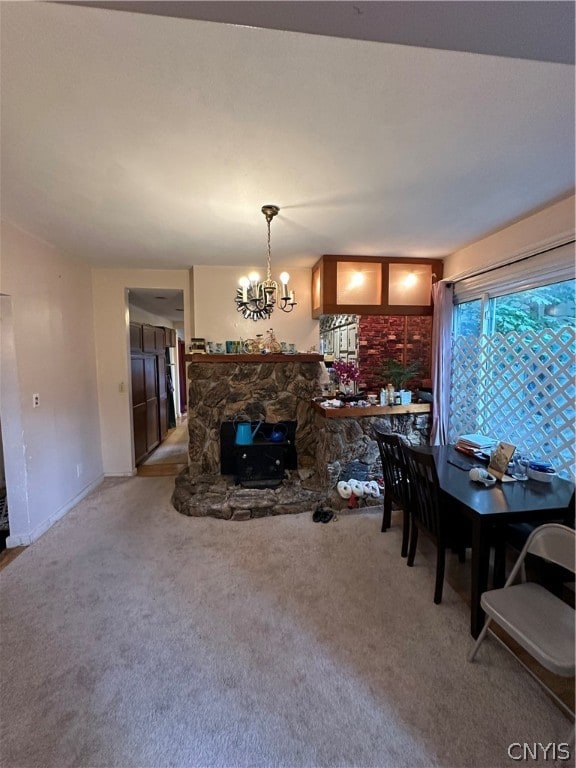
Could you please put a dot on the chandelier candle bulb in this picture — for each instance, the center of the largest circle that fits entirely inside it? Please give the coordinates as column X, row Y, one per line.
column 284, row 278
column 244, row 284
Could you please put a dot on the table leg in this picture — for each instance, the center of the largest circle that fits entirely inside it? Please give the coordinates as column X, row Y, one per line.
column 479, row 566
column 387, row 511
column 498, row 538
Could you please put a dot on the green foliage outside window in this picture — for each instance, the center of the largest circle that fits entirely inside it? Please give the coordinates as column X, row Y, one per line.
column 546, row 307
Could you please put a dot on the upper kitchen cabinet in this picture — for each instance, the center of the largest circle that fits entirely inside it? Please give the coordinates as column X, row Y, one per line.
column 135, row 337
column 155, row 338
column 170, row 337
column 373, row 285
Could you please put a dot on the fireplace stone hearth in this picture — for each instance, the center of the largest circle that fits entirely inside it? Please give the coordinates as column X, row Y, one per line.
column 219, row 496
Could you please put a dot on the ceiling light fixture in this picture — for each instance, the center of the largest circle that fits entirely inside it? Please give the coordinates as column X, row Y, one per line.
column 256, row 300
column 410, row 280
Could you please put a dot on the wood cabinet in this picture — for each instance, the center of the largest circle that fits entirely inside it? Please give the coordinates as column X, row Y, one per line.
column 373, row 285
column 146, row 416
column 170, row 337
column 162, row 397
column 139, row 409
column 148, row 345
column 135, row 337
column 152, row 415
column 148, row 338
column 160, row 338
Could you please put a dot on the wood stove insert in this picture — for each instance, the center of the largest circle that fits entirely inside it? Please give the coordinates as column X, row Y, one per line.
column 263, row 463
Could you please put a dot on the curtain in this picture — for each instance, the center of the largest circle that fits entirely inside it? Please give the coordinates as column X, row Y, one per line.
column 442, row 294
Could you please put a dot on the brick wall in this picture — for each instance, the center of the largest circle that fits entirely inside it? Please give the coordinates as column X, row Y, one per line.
column 405, row 338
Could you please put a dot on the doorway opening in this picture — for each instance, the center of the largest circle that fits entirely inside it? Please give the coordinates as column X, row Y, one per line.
column 156, row 319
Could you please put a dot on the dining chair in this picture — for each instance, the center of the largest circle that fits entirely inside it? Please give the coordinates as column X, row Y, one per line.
column 539, row 621
column 396, row 484
column 430, row 512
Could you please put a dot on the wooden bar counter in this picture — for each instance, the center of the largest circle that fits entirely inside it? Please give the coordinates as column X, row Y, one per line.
column 345, row 436
column 298, row 357
column 354, row 412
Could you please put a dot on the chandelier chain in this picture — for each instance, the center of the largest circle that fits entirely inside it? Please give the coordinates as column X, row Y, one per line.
column 269, row 268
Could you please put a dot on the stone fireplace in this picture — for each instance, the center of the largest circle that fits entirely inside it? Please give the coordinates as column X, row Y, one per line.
column 277, row 388
column 271, row 388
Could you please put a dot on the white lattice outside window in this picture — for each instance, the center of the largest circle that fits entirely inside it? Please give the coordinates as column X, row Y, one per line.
column 518, row 387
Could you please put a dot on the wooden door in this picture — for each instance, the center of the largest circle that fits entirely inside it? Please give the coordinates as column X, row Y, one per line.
column 162, row 397
column 151, row 387
column 139, row 408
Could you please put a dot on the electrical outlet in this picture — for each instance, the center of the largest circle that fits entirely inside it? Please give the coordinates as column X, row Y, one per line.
column 35, row 401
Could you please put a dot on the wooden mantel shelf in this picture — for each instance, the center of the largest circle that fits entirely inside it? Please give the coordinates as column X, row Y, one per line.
column 270, row 358
column 353, row 412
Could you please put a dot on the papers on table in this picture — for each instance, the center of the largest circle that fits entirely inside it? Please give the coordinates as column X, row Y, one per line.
column 476, row 442
column 476, row 445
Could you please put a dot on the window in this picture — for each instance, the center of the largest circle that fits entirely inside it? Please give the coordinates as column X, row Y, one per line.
column 513, row 371
column 468, row 318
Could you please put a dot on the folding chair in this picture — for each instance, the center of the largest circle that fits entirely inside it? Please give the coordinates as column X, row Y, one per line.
column 539, row 621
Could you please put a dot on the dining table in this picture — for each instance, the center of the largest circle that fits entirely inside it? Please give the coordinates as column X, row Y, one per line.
column 491, row 508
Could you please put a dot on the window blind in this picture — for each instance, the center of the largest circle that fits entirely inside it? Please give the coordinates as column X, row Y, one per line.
column 530, row 271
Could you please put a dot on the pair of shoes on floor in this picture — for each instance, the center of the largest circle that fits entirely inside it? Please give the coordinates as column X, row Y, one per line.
column 358, row 488
column 322, row 515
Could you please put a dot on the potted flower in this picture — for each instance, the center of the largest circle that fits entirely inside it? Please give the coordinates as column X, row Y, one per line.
column 398, row 374
column 348, row 374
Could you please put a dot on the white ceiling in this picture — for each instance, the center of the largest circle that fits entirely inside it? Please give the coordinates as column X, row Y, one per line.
column 138, row 140
column 165, row 302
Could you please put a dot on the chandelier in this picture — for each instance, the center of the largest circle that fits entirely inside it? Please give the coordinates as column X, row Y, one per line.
column 256, row 299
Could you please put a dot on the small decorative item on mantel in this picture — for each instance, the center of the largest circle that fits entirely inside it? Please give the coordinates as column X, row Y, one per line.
column 197, row 346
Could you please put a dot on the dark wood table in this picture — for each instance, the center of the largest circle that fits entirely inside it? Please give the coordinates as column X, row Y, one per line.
column 490, row 509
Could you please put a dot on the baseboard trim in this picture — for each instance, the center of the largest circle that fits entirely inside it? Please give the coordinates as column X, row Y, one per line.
column 24, row 540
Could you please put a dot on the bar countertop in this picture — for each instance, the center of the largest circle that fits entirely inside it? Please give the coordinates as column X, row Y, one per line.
column 354, row 412
column 298, row 357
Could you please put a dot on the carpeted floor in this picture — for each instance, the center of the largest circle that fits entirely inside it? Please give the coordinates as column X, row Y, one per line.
column 135, row 637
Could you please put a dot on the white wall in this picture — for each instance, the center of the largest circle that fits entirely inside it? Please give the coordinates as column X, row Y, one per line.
column 216, row 317
column 52, row 453
column 111, row 322
column 549, row 226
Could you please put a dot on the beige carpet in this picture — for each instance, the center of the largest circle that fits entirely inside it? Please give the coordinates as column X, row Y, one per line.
column 133, row 636
column 173, row 450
